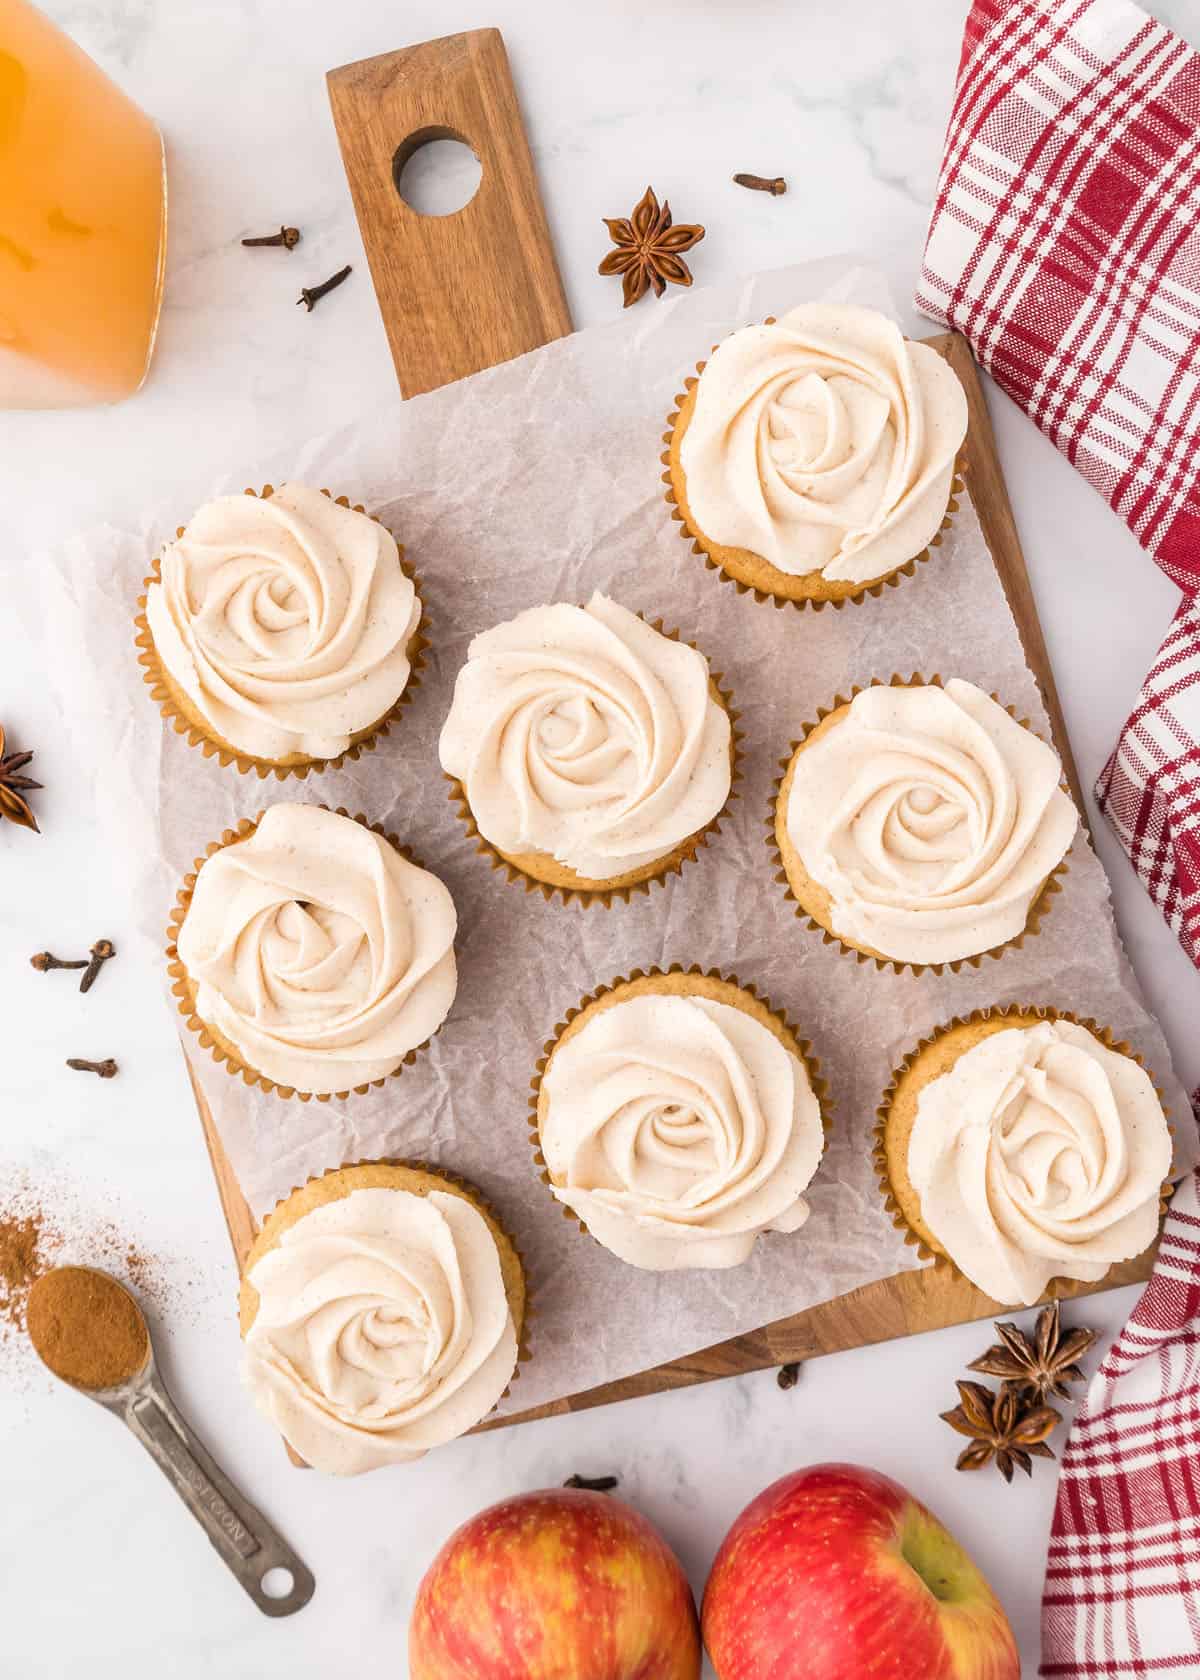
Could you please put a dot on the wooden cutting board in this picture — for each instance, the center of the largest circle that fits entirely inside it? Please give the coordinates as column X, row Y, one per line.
column 463, row 292
column 446, row 317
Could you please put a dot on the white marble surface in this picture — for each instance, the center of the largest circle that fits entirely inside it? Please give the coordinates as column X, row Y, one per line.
column 99, row 1568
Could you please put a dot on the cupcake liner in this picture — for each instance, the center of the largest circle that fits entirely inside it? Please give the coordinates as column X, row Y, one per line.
column 474, row 1195
column 803, row 1046
column 215, row 1042
column 657, row 873
column 1038, row 910
column 1059, row 1287
column 181, row 718
column 780, row 597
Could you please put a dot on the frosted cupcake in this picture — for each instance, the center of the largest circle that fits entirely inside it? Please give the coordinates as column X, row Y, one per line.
column 815, row 455
column 1024, row 1145
column 591, row 752
column 382, row 1310
column 921, row 823
column 679, row 1118
column 280, row 631
column 311, row 954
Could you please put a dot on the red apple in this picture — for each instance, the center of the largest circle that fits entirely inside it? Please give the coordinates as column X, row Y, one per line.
column 546, row 1586
column 836, row 1573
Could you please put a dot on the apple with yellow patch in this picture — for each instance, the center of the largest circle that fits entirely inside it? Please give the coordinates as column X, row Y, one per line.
column 837, row 1573
column 560, row 1585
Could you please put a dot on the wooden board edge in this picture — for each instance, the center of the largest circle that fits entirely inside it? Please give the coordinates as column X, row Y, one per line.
column 885, row 1311
column 989, row 495
column 239, row 1221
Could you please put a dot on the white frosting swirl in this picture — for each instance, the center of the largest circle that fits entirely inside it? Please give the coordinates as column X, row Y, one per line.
column 583, row 733
column 931, row 818
column 285, row 620
column 824, row 442
column 1040, row 1154
column 383, row 1328
column 319, row 952
column 679, row 1129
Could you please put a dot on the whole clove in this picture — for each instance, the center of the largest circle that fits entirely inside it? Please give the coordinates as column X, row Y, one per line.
column 288, row 237
column 102, row 950
column 310, row 296
column 773, row 184
column 789, row 1375
column 107, row 1069
column 593, row 1484
column 44, row 961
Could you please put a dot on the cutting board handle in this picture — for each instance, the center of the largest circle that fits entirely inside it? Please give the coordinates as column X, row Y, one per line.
column 465, row 291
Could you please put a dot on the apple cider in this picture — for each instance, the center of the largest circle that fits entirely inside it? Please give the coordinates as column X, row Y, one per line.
column 82, row 223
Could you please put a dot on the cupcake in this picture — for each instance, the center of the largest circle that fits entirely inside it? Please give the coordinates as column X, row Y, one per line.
column 280, row 631
column 311, row 954
column 921, row 824
column 1024, row 1145
column 678, row 1117
column 815, row 455
column 591, row 752
column 382, row 1310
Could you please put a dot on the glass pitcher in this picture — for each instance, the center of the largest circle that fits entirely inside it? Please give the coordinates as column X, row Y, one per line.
column 83, row 221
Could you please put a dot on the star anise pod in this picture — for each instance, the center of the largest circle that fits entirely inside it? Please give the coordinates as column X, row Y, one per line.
column 647, row 249
column 1000, row 1428
column 14, row 786
column 1041, row 1367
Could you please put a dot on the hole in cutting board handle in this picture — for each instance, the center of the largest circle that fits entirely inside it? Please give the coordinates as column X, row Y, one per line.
column 436, row 171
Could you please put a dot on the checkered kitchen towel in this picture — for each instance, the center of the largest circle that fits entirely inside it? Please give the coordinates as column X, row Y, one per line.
column 1065, row 245
column 1122, row 1594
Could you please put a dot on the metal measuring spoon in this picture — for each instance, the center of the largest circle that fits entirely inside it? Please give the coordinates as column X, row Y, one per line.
column 237, row 1529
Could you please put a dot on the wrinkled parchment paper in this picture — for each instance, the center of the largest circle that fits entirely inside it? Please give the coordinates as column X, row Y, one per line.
column 534, row 482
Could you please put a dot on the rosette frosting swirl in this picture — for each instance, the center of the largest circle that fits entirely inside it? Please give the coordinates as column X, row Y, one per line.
column 1041, row 1153
column 382, row 1328
column 583, row 733
column 931, row 818
column 678, row 1129
column 285, row 620
column 318, row 951
column 824, row 442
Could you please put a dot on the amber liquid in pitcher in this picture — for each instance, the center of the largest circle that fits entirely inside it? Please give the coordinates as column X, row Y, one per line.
column 82, row 223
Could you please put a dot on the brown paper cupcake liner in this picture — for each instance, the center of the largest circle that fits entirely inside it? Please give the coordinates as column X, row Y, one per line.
column 1038, row 910
column 163, row 692
column 779, row 596
column 657, row 873
column 803, row 1047
column 215, row 1042
column 1059, row 1287
column 473, row 1194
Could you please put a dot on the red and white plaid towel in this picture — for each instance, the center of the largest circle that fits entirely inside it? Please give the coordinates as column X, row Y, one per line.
column 1065, row 245
column 1122, row 1594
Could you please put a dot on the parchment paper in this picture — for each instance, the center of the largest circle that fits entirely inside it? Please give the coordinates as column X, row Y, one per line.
column 534, row 482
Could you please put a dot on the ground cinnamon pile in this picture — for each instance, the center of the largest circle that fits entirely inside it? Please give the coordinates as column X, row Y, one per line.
column 50, row 1221
column 86, row 1328
column 20, row 1241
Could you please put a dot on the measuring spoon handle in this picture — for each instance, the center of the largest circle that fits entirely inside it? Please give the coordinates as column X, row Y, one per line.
column 240, row 1533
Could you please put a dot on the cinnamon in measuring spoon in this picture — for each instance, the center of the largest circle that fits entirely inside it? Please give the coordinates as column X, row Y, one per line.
column 86, row 1327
